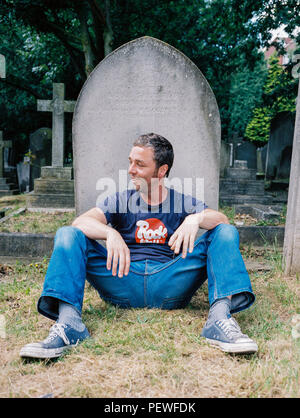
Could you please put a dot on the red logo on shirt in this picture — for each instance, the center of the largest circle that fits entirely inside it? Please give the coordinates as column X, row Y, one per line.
column 151, row 230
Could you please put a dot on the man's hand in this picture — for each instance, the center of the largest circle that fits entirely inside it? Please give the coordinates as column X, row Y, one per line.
column 185, row 235
column 117, row 253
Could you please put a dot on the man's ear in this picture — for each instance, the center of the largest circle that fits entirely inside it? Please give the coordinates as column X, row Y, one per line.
column 162, row 171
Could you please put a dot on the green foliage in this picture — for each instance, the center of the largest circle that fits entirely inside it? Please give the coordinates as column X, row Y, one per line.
column 48, row 41
column 245, row 95
column 279, row 96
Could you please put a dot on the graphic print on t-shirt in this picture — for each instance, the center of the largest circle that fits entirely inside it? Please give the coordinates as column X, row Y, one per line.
column 151, row 230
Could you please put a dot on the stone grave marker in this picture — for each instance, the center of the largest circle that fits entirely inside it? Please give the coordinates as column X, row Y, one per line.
column 23, row 170
column 246, row 151
column 58, row 106
column 292, row 227
column 3, row 144
column 40, row 147
column 2, row 66
column 145, row 86
column 225, row 157
column 7, row 186
column 280, row 144
column 55, row 188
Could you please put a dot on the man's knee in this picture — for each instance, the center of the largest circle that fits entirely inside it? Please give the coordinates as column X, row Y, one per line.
column 67, row 234
column 227, row 232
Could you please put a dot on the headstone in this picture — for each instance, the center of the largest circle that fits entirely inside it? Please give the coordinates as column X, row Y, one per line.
column 145, row 86
column 2, row 66
column 261, row 160
column 280, row 146
column 58, row 106
column 6, row 187
column 264, row 150
column 246, row 151
column 3, row 144
column 225, row 157
column 55, row 187
column 292, row 226
column 23, row 170
column 40, row 147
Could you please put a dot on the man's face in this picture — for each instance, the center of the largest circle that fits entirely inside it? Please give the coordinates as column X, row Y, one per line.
column 142, row 167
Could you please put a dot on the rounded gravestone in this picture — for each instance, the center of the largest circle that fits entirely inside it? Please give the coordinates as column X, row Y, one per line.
column 145, row 86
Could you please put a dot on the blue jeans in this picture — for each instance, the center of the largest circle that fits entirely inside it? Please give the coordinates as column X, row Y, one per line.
column 149, row 284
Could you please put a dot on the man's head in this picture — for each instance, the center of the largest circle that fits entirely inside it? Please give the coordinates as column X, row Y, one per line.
column 150, row 160
column 162, row 149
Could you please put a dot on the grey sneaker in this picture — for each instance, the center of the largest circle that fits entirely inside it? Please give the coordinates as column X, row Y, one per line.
column 60, row 338
column 227, row 335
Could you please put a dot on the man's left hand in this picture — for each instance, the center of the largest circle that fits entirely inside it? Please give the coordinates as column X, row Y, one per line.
column 185, row 235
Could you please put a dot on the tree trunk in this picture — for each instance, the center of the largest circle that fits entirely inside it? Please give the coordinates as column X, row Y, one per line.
column 108, row 32
column 86, row 42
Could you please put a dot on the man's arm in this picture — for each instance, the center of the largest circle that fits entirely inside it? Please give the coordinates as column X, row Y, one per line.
column 93, row 224
column 185, row 234
column 210, row 218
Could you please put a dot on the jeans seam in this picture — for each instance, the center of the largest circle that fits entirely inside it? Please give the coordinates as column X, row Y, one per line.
column 236, row 291
column 213, row 276
column 145, row 290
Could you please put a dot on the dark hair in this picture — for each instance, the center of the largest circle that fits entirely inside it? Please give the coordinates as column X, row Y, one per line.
column 162, row 148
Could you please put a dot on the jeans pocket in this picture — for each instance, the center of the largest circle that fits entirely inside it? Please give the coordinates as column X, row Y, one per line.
column 175, row 303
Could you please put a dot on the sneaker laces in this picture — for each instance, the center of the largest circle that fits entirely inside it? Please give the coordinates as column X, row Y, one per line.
column 57, row 330
column 231, row 328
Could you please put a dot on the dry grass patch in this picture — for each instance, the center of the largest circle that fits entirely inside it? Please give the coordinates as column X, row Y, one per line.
column 150, row 353
column 37, row 222
column 31, row 222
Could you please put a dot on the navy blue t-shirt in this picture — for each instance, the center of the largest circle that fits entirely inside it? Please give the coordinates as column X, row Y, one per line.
column 146, row 229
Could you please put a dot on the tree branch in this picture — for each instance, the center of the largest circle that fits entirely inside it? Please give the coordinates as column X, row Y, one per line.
column 19, row 84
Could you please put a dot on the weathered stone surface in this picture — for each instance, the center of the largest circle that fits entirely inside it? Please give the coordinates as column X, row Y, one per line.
column 58, row 106
column 40, row 147
column 280, row 144
column 49, row 200
column 25, row 245
column 292, row 231
column 64, row 173
column 145, row 86
column 44, row 186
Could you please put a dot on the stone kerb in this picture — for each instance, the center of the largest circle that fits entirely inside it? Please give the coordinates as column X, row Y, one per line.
column 145, row 86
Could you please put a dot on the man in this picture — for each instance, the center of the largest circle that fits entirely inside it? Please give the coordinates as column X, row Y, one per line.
column 151, row 258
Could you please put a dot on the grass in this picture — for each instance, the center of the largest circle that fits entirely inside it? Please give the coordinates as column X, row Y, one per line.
column 35, row 222
column 31, row 222
column 152, row 353
column 247, row 220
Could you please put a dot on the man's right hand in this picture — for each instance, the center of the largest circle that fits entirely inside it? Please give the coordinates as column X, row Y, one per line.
column 117, row 253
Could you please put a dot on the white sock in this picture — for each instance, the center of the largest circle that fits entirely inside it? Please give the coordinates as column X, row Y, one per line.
column 68, row 314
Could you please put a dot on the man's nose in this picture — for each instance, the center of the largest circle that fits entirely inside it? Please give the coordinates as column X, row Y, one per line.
column 132, row 169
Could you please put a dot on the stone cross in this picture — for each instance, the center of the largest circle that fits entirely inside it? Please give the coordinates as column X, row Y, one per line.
column 58, row 106
column 291, row 247
column 3, row 144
